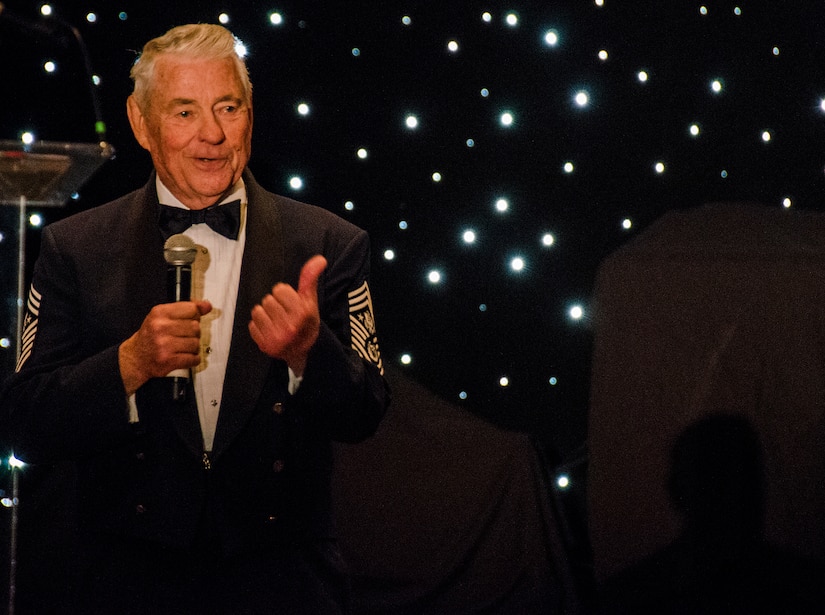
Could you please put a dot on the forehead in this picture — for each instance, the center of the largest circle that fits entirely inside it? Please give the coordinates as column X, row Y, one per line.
column 197, row 79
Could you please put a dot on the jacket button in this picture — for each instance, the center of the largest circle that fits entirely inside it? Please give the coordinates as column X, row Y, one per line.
column 272, row 518
column 140, row 456
column 140, row 509
column 278, row 408
column 278, row 466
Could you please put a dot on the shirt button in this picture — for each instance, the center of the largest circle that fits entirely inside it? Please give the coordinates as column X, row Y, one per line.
column 278, row 408
column 209, row 350
column 214, row 403
column 278, row 466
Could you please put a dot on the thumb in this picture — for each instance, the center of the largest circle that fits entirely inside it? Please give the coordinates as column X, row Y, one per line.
column 310, row 272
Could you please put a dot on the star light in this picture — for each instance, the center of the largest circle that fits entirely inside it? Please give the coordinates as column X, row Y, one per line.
column 576, row 312
column 551, row 38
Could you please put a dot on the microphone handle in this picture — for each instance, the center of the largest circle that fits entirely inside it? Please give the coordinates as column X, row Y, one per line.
column 178, row 283
column 179, row 288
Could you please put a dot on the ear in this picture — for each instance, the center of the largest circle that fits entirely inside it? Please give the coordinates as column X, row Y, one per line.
column 137, row 121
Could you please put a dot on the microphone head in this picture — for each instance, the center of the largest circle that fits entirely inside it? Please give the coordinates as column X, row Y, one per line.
column 179, row 250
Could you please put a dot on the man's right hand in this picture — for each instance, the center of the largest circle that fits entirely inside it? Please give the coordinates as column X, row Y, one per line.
column 168, row 339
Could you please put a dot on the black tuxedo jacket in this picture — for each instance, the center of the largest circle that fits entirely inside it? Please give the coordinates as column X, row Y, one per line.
column 98, row 275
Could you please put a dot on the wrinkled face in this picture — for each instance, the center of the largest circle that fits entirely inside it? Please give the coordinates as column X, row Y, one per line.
column 197, row 127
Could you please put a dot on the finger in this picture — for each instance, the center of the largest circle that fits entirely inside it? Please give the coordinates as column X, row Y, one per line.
column 204, row 307
column 183, row 310
column 310, row 272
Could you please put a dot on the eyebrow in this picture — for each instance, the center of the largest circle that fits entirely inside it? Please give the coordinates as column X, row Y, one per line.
column 190, row 101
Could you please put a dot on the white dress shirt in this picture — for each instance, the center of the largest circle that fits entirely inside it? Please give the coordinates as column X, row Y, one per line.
column 216, row 273
column 216, row 270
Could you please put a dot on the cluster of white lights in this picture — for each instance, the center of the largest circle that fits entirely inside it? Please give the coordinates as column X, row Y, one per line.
column 506, row 118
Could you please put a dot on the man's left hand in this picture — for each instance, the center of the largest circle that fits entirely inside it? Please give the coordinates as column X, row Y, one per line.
column 286, row 323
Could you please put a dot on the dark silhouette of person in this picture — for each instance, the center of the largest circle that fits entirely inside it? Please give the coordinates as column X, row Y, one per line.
column 720, row 562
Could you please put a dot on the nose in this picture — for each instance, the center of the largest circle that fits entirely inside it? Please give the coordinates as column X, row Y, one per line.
column 211, row 129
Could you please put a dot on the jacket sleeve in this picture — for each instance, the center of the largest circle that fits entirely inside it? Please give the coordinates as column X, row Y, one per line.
column 343, row 384
column 66, row 397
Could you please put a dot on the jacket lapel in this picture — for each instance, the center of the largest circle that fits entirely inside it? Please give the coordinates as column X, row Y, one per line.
column 262, row 267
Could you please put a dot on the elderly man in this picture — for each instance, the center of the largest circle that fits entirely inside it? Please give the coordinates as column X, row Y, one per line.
column 215, row 499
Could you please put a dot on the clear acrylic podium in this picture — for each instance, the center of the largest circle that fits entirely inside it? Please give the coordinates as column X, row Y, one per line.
column 42, row 174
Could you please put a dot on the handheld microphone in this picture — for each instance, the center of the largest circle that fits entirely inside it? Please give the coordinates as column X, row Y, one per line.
column 179, row 253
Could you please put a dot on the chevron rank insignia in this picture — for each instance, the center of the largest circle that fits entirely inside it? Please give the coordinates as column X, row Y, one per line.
column 29, row 327
column 362, row 326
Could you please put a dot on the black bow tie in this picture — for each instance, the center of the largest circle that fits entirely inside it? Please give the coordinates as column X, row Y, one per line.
column 224, row 219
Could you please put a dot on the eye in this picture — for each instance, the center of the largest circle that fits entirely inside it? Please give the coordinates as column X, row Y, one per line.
column 184, row 114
